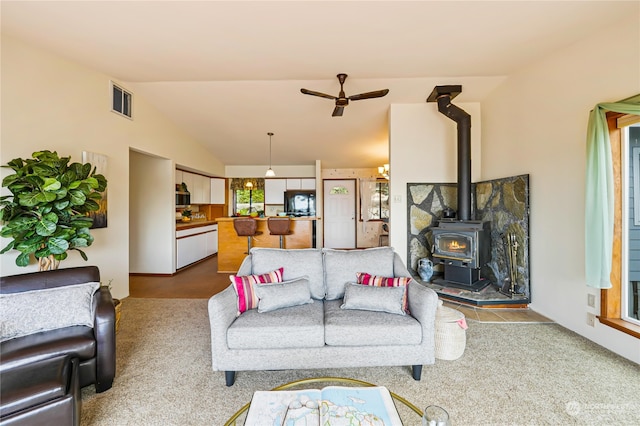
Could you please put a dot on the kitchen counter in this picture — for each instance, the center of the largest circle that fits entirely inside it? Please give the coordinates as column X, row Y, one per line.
column 193, row 224
column 233, row 249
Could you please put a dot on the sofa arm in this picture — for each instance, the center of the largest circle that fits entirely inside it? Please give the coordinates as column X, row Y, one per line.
column 223, row 309
column 423, row 303
column 399, row 268
column 246, row 267
column 105, row 334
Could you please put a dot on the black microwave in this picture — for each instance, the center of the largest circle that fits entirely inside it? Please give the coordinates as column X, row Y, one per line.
column 183, row 199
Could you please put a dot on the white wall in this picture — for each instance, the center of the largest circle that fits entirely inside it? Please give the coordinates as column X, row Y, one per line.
column 423, row 148
column 151, row 215
column 51, row 103
column 536, row 123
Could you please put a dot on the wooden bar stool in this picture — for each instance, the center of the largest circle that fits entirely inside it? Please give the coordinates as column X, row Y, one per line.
column 246, row 227
column 279, row 226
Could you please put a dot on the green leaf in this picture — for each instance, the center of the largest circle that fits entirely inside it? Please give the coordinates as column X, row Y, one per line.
column 86, row 170
column 46, row 227
column 22, row 224
column 51, row 184
column 77, row 198
column 61, row 205
column 22, row 259
column 7, row 247
column 9, row 179
column 79, row 242
column 61, row 256
column 43, row 170
column 42, row 252
column 83, row 254
column 68, row 177
column 29, row 246
column 91, row 205
column 29, row 199
column 57, row 245
column 102, row 183
column 92, row 182
column 75, row 184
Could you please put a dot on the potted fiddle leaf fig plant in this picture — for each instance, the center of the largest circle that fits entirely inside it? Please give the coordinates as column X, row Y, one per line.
column 46, row 213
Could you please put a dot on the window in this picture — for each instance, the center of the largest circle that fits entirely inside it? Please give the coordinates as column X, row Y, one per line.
column 631, row 222
column 248, row 201
column 121, row 100
column 375, row 200
column 616, row 302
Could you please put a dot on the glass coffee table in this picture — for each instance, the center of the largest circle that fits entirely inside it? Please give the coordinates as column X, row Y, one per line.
column 409, row 413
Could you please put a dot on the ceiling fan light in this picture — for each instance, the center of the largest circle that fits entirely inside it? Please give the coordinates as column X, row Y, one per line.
column 270, row 173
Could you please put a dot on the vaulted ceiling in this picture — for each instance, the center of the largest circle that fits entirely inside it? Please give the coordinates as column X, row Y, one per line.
column 229, row 72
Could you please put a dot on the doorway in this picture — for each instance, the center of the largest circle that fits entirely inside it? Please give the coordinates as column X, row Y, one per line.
column 339, row 213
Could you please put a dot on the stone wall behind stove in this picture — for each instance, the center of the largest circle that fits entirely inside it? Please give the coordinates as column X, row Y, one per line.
column 502, row 202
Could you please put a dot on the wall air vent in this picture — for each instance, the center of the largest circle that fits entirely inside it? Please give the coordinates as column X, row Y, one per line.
column 121, row 100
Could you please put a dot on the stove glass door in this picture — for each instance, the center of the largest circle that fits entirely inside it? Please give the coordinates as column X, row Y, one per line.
column 454, row 245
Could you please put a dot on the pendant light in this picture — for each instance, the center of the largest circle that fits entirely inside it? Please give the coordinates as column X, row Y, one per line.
column 270, row 172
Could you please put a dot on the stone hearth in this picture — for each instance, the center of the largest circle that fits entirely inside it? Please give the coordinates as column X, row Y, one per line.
column 502, row 202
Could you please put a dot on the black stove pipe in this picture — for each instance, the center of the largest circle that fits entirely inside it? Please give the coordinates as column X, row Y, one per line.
column 443, row 96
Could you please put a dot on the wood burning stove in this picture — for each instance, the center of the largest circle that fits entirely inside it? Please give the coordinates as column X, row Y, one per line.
column 463, row 247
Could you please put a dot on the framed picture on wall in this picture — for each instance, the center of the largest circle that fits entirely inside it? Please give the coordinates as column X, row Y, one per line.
column 99, row 161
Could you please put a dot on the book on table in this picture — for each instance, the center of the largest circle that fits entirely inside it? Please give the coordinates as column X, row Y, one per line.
column 331, row 405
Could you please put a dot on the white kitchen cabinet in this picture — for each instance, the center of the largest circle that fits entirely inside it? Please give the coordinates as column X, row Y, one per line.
column 293, row 184
column 274, row 191
column 194, row 244
column 218, row 191
column 212, row 241
column 198, row 186
column 190, row 249
column 202, row 190
column 188, row 179
column 307, row 184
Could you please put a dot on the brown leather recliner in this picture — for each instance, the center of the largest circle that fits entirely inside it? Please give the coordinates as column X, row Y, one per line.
column 94, row 347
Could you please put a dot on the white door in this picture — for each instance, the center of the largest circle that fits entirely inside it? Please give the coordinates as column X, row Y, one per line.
column 340, row 213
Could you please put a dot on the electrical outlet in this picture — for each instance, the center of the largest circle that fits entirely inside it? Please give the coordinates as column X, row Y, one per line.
column 591, row 319
column 591, row 300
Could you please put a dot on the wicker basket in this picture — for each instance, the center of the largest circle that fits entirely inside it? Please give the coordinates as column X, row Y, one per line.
column 117, row 305
column 450, row 335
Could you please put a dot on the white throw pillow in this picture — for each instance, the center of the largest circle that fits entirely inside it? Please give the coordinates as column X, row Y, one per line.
column 34, row 311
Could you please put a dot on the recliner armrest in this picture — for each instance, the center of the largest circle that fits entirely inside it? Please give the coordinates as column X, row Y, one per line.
column 105, row 334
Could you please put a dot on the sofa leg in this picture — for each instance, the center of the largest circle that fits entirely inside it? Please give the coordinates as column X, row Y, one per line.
column 230, row 377
column 417, row 372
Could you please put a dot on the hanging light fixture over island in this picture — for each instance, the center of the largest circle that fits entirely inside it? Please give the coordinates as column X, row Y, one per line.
column 270, row 172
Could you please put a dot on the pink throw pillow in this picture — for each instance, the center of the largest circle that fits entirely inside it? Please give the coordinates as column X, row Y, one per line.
column 243, row 285
column 376, row 281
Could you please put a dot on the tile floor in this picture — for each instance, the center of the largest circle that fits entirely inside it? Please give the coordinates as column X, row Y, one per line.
column 497, row 315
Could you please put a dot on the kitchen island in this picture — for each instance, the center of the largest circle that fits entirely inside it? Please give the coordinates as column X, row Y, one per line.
column 232, row 249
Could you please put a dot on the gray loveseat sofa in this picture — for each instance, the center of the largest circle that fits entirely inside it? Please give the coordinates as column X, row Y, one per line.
column 320, row 333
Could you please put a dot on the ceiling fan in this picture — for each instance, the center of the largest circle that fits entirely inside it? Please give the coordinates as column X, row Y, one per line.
column 342, row 100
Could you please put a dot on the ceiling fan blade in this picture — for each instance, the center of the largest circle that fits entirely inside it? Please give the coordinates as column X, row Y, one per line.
column 337, row 111
column 322, row 95
column 369, row 95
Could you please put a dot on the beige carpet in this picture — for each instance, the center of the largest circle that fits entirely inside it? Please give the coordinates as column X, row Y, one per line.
column 510, row 374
